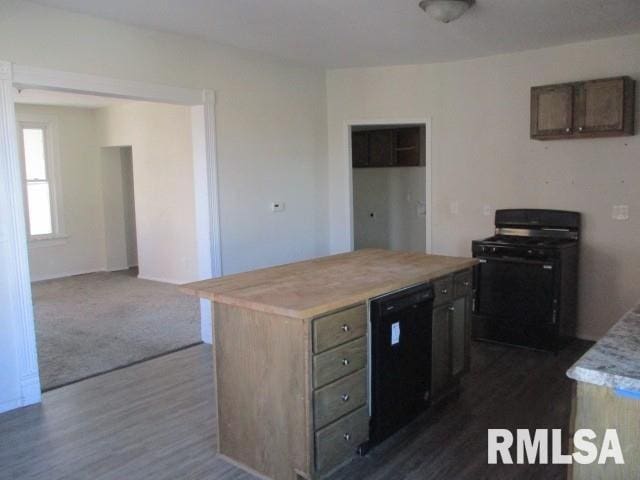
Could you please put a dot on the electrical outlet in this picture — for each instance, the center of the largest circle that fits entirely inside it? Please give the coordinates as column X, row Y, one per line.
column 486, row 210
column 277, row 206
column 620, row 212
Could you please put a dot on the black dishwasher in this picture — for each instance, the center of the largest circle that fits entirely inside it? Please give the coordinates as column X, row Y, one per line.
column 400, row 350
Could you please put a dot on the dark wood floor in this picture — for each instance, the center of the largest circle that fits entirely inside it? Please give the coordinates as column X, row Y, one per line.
column 155, row 420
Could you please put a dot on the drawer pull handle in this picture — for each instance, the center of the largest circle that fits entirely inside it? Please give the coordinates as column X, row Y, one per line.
column 444, row 291
column 345, row 361
column 347, row 436
column 345, row 328
column 345, row 397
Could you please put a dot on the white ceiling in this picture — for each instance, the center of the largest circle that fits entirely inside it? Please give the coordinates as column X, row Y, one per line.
column 64, row 99
column 339, row 33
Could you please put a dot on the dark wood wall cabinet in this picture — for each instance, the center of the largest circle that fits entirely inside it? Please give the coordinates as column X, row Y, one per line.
column 595, row 108
column 387, row 147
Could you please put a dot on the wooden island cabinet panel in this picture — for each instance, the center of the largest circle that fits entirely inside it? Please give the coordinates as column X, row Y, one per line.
column 450, row 337
column 262, row 366
column 595, row 108
column 291, row 357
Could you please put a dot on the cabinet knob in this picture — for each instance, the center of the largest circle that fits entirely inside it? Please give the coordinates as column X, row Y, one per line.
column 345, row 361
column 347, row 436
column 466, row 283
column 568, row 130
column 580, row 129
column 345, row 397
column 444, row 291
column 452, row 308
column 345, row 328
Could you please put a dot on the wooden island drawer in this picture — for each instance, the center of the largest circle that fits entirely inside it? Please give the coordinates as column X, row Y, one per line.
column 462, row 283
column 443, row 289
column 340, row 361
column 339, row 327
column 339, row 441
column 339, row 398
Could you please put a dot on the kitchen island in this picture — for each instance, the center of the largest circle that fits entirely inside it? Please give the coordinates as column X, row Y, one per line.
column 607, row 396
column 291, row 353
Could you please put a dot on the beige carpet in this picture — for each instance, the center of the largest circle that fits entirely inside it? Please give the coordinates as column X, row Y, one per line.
column 93, row 323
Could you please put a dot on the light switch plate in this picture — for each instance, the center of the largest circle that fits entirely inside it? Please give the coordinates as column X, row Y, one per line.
column 454, row 208
column 620, row 212
column 486, row 210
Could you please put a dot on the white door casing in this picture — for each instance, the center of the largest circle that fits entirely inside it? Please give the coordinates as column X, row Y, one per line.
column 348, row 171
column 18, row 312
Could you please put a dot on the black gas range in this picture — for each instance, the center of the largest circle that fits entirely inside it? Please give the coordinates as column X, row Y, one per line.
column 526, row 282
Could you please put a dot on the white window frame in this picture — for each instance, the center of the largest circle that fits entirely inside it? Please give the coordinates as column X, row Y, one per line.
column 49, row 124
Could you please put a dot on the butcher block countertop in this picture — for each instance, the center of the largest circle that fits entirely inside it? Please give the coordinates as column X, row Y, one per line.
column 313, row 287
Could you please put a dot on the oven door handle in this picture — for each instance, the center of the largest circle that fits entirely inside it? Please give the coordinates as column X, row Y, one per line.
column 547, row 265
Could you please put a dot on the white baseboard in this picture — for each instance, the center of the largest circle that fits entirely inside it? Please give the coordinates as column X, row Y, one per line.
column 172, row 281
column 10, row 405
column 589, row 338
column 40, row 278
column 29, row 394
column 117, row 268
column 31, row 391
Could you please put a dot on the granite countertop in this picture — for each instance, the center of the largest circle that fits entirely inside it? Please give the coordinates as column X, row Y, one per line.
column 614, row 361
column 313, row 287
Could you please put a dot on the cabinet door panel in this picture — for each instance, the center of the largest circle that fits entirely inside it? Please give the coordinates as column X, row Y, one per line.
column 408, row 151
column 551, row 111
column 601, row 105
column 360, row 149
column 381, row 148
column 441, row 351
column 459, row 336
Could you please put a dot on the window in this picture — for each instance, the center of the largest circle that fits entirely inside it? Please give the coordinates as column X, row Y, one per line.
column 36, row 140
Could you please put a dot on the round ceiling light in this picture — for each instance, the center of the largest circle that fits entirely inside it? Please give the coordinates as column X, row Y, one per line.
column 445, row 11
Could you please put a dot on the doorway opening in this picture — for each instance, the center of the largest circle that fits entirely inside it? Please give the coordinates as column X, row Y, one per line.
column 111, row 227
column 390, row 185
column 203, row 197
column 118, row 200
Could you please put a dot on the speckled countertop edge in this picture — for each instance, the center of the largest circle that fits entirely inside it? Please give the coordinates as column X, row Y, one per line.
column 614, row 361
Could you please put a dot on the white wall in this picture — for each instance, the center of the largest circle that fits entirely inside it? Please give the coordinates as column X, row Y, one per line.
column 393, row 195
column 79, row 163
column 270, row 124
column 270, row 120
column 482, row 155
column 160, row 140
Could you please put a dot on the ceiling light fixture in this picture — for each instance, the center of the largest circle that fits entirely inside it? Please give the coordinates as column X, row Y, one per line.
column 445, row 11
